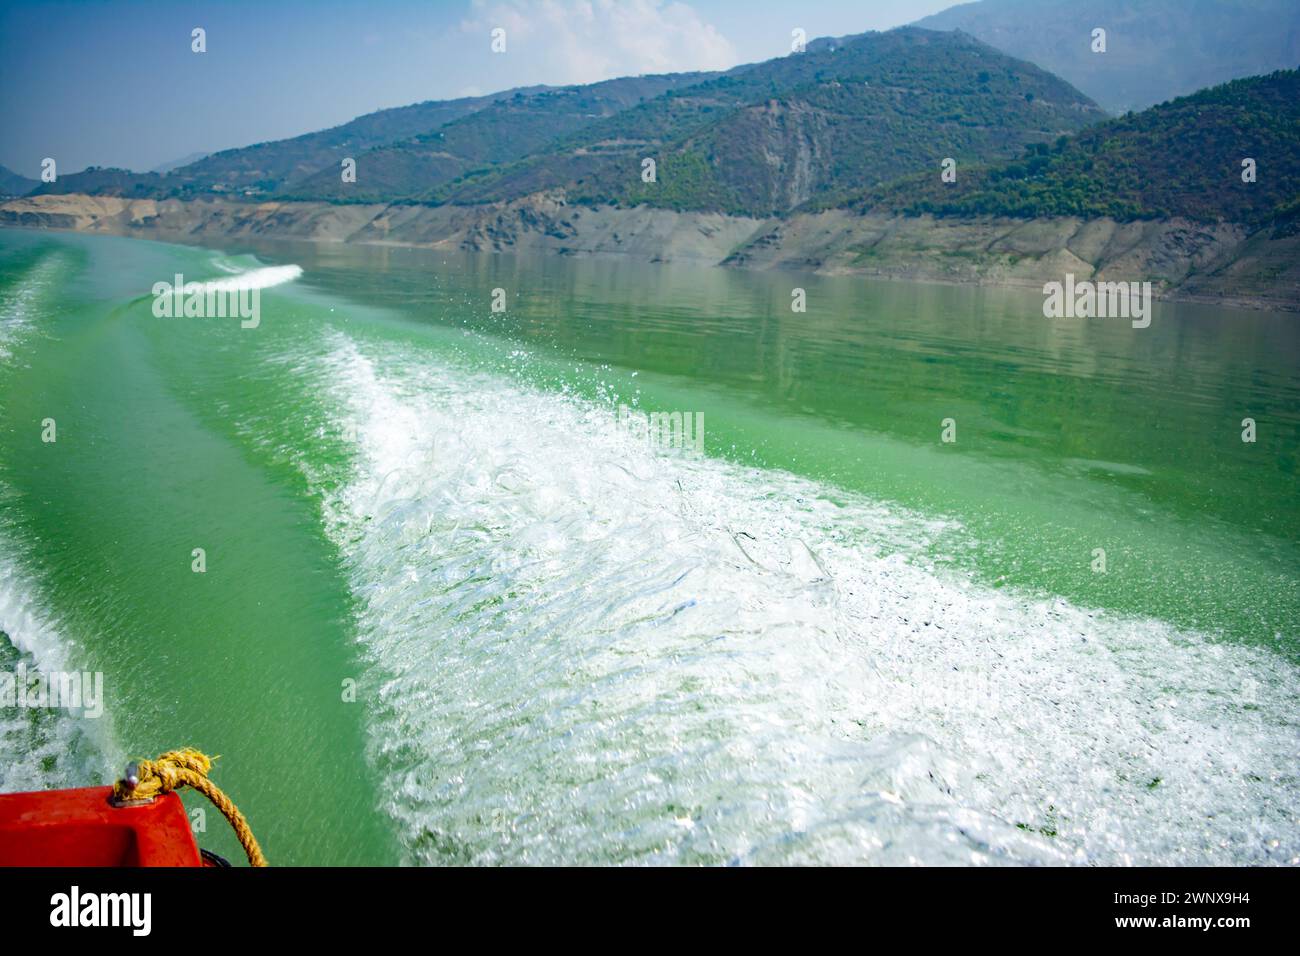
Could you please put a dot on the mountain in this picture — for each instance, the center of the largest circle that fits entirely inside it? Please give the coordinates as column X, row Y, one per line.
column 12, row 184
column 758, row 140
column 506, row 130
column 1155, row 49
column 1178, row 159
column 256, row 170
column 270, row 166
column 282, row 167
column 107, row 181
column 762, row 140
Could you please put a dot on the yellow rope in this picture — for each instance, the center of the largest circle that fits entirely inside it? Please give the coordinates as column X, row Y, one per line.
column 182, row 768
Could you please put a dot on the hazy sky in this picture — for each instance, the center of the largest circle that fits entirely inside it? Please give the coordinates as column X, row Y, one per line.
column 93, row 82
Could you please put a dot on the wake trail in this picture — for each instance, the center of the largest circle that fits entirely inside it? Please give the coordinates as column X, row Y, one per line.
column 40, row 748
column 584, row 650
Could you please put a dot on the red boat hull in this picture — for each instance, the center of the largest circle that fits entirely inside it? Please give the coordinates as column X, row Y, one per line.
column 81, row 828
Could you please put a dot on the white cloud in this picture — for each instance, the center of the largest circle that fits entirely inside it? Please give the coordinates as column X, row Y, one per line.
column 580, row 41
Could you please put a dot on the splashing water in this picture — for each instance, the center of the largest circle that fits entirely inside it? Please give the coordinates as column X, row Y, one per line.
column 590, row 652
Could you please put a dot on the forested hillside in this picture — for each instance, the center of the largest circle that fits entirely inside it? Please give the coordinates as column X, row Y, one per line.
column 1182, row 158
column 822, row 123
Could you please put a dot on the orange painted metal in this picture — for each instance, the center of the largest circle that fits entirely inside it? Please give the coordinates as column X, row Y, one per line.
column 82, row 828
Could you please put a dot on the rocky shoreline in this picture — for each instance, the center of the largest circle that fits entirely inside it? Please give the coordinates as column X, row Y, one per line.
column 1220, row 263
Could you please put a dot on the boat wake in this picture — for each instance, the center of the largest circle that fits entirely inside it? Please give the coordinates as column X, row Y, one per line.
column 585, row 650
column 18, row 302
column 40, row 748
column 265, row 277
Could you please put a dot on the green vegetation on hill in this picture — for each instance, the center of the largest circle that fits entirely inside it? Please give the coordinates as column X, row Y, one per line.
column 269, row 166
column 762, row 140
column 256, row 170
column 108, row 181
column 506, row 130
column 1182, row 158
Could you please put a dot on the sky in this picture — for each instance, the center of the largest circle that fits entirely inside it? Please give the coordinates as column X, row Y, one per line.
column 116, row 83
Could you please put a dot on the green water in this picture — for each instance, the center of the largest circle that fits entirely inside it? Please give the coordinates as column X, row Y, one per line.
column 496, row 717
column 1070, row 436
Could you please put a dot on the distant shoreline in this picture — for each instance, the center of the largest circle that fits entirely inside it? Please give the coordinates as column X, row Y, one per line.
column 1215, row 264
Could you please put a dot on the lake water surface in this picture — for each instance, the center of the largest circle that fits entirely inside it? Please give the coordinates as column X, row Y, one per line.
column 453, row 612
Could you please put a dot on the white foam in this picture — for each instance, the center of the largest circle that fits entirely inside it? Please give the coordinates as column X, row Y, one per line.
column 43, row 749
column 39, row 749
column 18, row 303
column 584, row 651
column 263, row 278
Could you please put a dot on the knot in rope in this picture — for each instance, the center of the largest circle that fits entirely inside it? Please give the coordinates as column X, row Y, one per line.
column 186, row 768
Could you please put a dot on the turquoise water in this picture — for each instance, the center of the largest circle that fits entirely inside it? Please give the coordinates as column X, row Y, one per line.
column 832, row 637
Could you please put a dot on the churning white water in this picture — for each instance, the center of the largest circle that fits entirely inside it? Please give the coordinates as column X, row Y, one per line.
column 586, row 650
